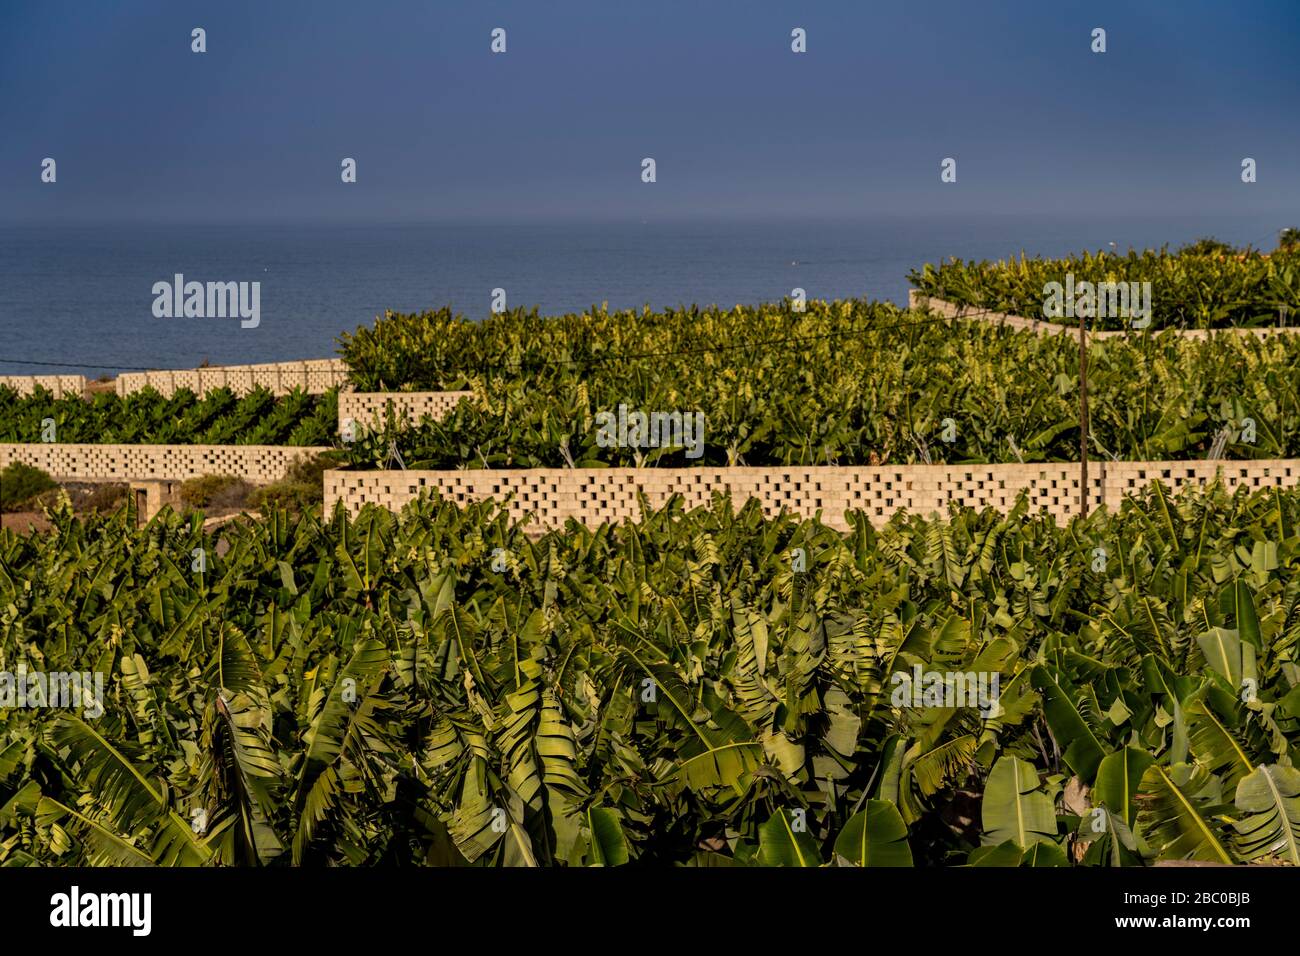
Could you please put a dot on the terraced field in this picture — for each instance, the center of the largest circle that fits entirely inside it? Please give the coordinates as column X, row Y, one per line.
column 842, row 383
column 1207, row 285
column 697, row 688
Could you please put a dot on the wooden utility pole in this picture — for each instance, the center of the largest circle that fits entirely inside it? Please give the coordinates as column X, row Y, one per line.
column 1083, row 416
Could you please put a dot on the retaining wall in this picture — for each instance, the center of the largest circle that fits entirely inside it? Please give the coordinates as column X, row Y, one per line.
column 60, row 385
column 314, row 376
column 595, row 496
column 917, row 300
column 259, row 464
column 367, row 409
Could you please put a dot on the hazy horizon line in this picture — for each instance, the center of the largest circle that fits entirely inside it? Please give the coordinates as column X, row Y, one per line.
column 1088, row 216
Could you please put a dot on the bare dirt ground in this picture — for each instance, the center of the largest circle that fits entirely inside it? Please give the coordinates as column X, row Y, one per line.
column 85, row 496
column 24, row 521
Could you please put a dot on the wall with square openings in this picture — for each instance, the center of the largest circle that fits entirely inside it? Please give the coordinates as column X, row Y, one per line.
column 594, row 496
column 367, row 409
column 62, row 386
column 259, row 464
column 314, row 376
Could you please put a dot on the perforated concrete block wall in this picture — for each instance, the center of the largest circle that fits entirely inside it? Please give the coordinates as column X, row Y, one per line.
column 60, row 385
column 367, row 409
column 314, row 376
column 595, row 496
column 259, row 464
column 1126, row 477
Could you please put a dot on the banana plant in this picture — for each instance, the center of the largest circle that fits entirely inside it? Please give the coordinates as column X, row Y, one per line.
column 445, row 687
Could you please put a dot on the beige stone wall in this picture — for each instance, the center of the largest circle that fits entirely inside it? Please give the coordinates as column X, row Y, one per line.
column 595, row 496
column 367, row 409
column 259, row 464
column 312, row 375
column 917, row 299
column 60, row 385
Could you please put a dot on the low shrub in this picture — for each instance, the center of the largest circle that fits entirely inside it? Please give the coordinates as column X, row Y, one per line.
column 105, row 497
column 215, row 491
column 20, row 483
column 310, row 469
column 293, row 495
column 302, row 486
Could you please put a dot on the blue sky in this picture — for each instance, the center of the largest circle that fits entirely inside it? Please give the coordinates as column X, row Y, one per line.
column 443, row 130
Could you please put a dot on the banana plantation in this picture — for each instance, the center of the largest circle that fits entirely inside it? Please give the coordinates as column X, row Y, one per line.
column 841, row 383
column 1205, row 285
column 145, row 417
column 704, row 688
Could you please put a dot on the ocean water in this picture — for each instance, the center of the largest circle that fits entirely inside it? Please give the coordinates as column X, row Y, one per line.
column 81, row 297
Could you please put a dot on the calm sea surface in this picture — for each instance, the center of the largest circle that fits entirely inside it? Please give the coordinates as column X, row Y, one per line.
column 82, row 296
